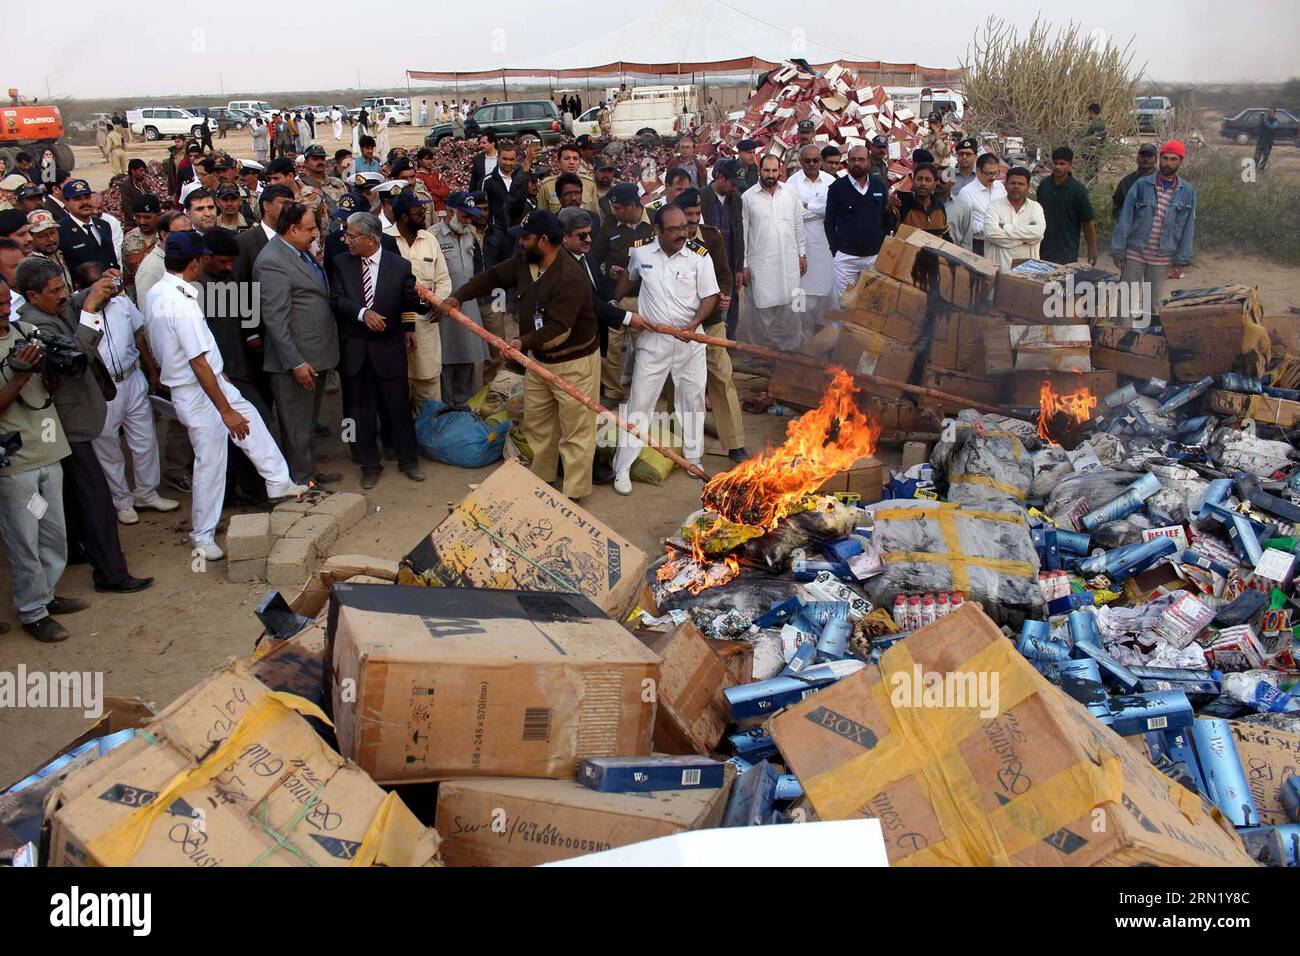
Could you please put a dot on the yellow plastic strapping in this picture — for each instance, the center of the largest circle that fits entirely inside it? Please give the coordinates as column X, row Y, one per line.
column 925, row 742
column 1001, row 486
column 118, row 845
column 959, row 564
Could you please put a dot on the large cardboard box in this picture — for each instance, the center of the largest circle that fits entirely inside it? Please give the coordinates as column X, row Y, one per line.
column 1213, row 337
column 969, row 757
column 885, row 305
column 1284, row 333
column 520, row 822
column 1268, row 756
column 865, row 478
column 1062, row 348
column 959, row 276
column 862, row 350
column 691, row 711
column 1023, row 296
column 1026, row 387
column 957, row 342
column 230, row 774
column 431, row 683
column 978, row 387
column 515, row 531
column 1130, row 352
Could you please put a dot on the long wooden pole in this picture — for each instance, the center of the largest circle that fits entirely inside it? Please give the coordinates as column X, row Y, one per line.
column 820, row 364
column 550, row 377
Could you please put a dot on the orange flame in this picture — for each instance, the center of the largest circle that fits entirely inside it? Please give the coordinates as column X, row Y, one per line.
column 695, row 574
column 1076, row 405
column 818, row 445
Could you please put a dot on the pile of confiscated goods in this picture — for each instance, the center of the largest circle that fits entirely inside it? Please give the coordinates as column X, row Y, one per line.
column 1057, row 641
column 844, row 110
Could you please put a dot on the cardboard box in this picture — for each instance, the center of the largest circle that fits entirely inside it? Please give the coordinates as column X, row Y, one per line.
column 996, row 334
column 737, row 657
column 563, row 545
column 865, row 478
column 1284, row 333
column 431, row 683
column 957, row 342
column 928, row 262
column 1268, row 756
column 998, row 767
column 1026, row 387
column 979, row 388
column 885, row 305
column 1022, row 296
column 1210, row 338
column 1130, row 352
column 1054, row 359
column 231, row 775
column 1263, row 408
column 862, row 350
column 691, row 712
column 521, row 822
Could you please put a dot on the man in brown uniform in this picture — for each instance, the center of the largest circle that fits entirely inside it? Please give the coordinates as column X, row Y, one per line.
column 557, row 323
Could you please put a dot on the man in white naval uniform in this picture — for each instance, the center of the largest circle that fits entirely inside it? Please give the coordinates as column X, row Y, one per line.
column 207, row 404
column 678, row 288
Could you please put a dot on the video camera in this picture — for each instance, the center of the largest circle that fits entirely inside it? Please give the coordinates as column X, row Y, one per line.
column 61, row 356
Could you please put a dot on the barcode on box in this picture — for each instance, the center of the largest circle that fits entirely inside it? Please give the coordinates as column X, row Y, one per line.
column 1157, row 723
column 691, row 778
column 537, row 723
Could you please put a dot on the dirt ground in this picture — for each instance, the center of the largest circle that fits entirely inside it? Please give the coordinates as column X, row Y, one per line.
column 156, row 644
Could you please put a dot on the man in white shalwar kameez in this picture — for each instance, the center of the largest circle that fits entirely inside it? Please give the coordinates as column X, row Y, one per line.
column 811, row 185
column 336, row 120
column 775, row 258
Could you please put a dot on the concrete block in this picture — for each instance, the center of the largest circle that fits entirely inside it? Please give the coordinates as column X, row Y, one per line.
column 246, row 572
column 296, row 506
column 322, row 529
column 248, row 537
column 282, row 521
column 291, row 562
column 348, row 507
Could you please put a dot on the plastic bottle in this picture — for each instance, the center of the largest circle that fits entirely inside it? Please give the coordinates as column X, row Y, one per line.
column 1255, row 691
column 913, row 613
column 900, row 611
column 957, row 600
column 942, row 605
column 928, row 610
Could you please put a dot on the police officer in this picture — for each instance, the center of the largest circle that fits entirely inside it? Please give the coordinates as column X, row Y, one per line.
column 679, row 288
column 206, row 403
column 250, row 188
column 626, row 226
column 721, row 387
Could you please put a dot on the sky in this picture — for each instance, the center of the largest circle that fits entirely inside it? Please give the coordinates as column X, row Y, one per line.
column 153, row 47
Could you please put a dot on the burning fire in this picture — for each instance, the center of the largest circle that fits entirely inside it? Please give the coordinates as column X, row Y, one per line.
column 695, row 573
column 818, row 445
column 1077, row 406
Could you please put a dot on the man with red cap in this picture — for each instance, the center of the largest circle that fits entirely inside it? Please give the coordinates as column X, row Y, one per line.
column 1155, row 228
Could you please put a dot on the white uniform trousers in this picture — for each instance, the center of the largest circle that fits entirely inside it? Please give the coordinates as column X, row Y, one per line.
column 208, row 435
column 130, row 411
column 657, row 357
column 846, row 270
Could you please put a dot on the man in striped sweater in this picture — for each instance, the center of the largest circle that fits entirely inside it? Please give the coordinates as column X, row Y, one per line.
column 1154, row 230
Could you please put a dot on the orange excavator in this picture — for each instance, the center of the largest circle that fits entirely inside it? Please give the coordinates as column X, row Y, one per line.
column 33, row 129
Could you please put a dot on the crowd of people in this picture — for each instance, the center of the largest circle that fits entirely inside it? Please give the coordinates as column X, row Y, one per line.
column 197, row 335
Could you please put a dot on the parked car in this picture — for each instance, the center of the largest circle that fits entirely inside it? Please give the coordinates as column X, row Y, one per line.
column 1154, row 113
column 648, row 112
column 507, row 119
column 1244, row 127
column 255, row 107
column 158, row 122
column 235, row 119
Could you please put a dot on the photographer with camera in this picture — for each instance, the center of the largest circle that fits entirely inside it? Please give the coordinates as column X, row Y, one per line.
column 81, row 387
column 31, row 482
column 126, row 354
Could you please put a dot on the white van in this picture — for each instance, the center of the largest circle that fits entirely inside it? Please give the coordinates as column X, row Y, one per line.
column 662, row 111
column 256, row 107
column 924, row 100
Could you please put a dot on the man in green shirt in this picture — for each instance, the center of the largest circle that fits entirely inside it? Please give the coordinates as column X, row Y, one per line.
column 31, row 487
column 1067, row 208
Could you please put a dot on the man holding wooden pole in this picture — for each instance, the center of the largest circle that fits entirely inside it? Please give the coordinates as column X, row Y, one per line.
column 557, row 323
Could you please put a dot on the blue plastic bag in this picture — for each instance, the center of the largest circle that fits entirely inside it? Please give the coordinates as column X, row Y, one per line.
column 456, row 436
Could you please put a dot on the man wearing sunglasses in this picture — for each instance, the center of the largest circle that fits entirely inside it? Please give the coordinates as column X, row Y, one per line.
column 811, row 183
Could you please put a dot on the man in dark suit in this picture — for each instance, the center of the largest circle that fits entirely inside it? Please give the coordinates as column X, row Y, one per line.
column 721, row 207
column 81, row 400
column 301, row 341
column 484, row 162
column 506, row 191
column 375, row 305
column 251, row 242
column 83, row 236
